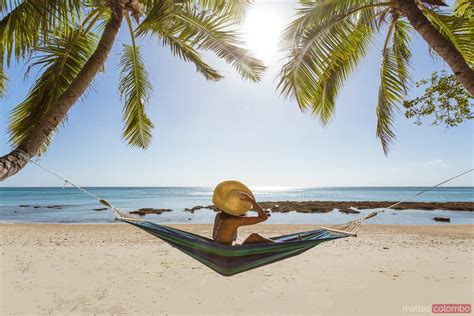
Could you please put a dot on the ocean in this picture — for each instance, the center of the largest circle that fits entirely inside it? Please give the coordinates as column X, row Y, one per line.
column 79, row 208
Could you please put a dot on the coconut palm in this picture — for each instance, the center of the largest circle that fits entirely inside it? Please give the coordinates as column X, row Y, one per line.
column 67, row 42
column 329, row 38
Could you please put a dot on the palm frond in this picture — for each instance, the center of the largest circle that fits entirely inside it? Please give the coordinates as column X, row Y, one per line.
column 189, row 28
column 135, row 89
column 3, row 82
column 391, row 93
column 463, row 30
column 338, row 71
column 60, row 59
column 24, row 23
column 149, row 4
column 173, row 35
column 401, row 41
column 213, row 33
column 321, row 61
column 18, row 32
column 464, row 9
column 158, row 16
column 458, row 30
column 183, row 49
column 323, row 14
column 96, row 14
column 102, row 5
column 8, row 5
column 233, row 8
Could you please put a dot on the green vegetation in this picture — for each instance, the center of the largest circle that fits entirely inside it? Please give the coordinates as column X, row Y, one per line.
column 445, row 100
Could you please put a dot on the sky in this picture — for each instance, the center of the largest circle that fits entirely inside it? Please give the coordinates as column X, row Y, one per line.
column 206, row 132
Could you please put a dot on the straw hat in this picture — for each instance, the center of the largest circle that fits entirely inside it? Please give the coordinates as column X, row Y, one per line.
column 227, row 198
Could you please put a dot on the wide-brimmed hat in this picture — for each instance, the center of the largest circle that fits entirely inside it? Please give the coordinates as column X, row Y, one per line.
column 227, row 197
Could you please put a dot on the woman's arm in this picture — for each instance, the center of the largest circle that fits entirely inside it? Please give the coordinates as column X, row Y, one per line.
column 262, row 216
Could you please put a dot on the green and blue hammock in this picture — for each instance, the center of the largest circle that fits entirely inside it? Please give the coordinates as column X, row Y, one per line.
column 231, row 260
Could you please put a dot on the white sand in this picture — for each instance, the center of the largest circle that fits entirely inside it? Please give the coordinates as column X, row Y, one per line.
column 90, row 269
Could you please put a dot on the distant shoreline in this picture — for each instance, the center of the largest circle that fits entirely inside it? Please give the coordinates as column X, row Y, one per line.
column 253, row 188
column 352, row 206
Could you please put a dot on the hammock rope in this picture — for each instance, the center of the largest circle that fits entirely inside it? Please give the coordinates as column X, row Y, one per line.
column 354, row 226
column 118, row 214
column 350, row 228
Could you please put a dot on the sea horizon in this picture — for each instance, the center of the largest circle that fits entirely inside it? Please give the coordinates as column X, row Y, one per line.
column 252, row 187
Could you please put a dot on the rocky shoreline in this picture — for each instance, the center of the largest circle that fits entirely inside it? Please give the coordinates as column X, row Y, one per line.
column 347, row 207
column 350, row 207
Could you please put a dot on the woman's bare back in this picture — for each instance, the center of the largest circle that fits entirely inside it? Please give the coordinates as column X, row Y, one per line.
column 226, row 226
column 225, row 230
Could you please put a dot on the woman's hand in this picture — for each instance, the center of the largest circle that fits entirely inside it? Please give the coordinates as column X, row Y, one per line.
column 246, row 197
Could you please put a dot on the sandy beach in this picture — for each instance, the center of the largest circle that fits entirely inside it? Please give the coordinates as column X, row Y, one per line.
column 118, row 269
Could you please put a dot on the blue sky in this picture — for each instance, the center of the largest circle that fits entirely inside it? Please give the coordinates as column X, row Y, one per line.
column 206, row 132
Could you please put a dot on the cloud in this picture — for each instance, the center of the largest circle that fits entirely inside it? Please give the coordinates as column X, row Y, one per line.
column 437, row 163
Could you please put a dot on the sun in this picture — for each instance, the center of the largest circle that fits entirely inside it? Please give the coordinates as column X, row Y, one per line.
column 262, row 29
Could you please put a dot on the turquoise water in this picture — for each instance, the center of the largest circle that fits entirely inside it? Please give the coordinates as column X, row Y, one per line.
column 78, row 208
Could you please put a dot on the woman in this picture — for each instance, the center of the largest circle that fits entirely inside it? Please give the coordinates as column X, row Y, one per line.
column 233, row 199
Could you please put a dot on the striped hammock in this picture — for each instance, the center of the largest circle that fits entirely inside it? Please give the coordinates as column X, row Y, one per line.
column 231, row 260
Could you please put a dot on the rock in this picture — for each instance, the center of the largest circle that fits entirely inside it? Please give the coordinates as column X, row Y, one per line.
column 385, row 248
column 192, row 209
column 213, row 207
column 24, row 205
column 145, row 211
column 100, row 209
column 199, row 207
column 442, row 219
column 349, row 211
column 47, row 206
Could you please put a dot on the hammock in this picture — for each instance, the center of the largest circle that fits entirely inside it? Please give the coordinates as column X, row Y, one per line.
column 231, row 260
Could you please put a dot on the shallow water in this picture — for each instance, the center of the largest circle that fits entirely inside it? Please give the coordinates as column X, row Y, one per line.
column 78, row 208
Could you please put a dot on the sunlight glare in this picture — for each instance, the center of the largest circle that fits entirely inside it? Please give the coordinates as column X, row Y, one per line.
column 262, row 29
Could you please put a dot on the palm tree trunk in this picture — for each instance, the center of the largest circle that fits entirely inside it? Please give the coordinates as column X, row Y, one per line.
column 13, row 162
column 442, row 46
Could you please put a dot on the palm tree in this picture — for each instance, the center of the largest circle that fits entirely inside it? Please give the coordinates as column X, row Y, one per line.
column 68, row 42
column 329, row 38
